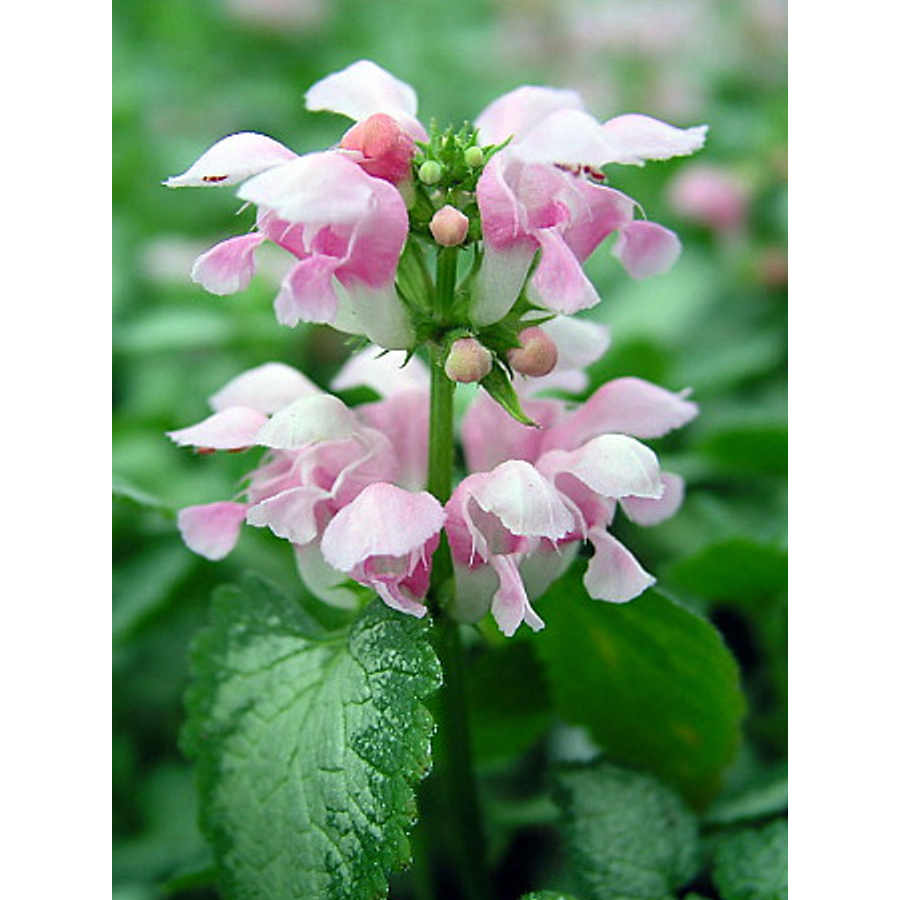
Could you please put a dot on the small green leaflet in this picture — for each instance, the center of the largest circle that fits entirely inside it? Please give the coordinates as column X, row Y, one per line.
column 498, row 385
column 628, row 836
column 308, row 743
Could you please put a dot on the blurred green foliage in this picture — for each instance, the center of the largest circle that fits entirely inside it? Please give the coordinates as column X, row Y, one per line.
column 186, row 74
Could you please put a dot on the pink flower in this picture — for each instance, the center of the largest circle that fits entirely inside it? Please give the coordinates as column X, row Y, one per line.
column 532, row 196
column 713, row 196
column 337, row 212
column 385, row 538
column 494, row 519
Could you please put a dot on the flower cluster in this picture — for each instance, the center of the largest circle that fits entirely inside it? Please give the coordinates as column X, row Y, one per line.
column 521, row 195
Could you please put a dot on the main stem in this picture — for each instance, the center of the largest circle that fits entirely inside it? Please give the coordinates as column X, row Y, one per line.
column 460, row 792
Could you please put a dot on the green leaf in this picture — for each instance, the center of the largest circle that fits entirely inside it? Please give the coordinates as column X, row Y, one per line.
column 764, row 796
column 738, row 570
column 308, row 743
column 752, row 864
column 629, row 837
column 655, row 684
column 498, row 385
column 756, row 449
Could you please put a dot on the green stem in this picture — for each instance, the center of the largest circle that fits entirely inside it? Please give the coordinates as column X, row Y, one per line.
column 445, row 285
column 453, row 752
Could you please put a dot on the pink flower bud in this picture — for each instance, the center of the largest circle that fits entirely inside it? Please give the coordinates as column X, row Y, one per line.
column 385, row 148
column 536, row 356
column 449, row 226
column 467, row 361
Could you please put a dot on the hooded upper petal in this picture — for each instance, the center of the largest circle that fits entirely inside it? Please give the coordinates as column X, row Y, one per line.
column 319, row 417
column 232, row 159
column 383, row 520
column 386, row 373
column 316, row 189
column 267, row 389
column 638, row 138
column 514, row 113
column 364, row 89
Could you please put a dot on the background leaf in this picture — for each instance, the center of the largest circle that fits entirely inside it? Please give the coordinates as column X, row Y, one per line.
column 307, row 744
column 752, row 864
column 654, row 683
column 629, row 836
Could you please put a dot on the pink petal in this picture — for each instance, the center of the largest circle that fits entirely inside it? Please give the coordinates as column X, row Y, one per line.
column 559, row 283
column 612, row 465
column 212, row 530
column 385, row 148
column 233, row 428
column 228, row 267
column 403, row 418
column 602, row 212
column 383, row 520
column 233, row 159
column 637, row 138
column 626, row 405
column 613, row 574
column 364, row 89
column 307, row 292
column 317, row 189
column 267, row 388
column 394, row 596
column 510, row 605
column 386, row 373
column 291, row 514
column 646, row 249
column 319, row 417
column 524, row 501
column 513, row 114
column 647, row 511
column 377, row 239
column 490, row 437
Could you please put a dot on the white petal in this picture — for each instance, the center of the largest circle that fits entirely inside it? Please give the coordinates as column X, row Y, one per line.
column 233, row 159
column 308, row 420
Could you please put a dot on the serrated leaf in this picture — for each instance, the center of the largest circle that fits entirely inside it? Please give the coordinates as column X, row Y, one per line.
column 500, row 388
column 655, row 684
column 628, row 836
column 308, row 743
column 752, row 864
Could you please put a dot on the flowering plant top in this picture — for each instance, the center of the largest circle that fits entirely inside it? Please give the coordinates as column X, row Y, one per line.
column 469, row 243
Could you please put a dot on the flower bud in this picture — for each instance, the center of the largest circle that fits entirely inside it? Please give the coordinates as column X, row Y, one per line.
column 430, row 171
column 537, row 354
column 474, row 157
column 467, row 361
column 449, row 226
column 386, row 150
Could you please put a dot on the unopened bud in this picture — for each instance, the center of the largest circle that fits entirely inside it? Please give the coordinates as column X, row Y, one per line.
column 430, row 171
column 537, row 354
column 467, row 361
column 449, row 226
column 474, row 157
column 384, row 148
